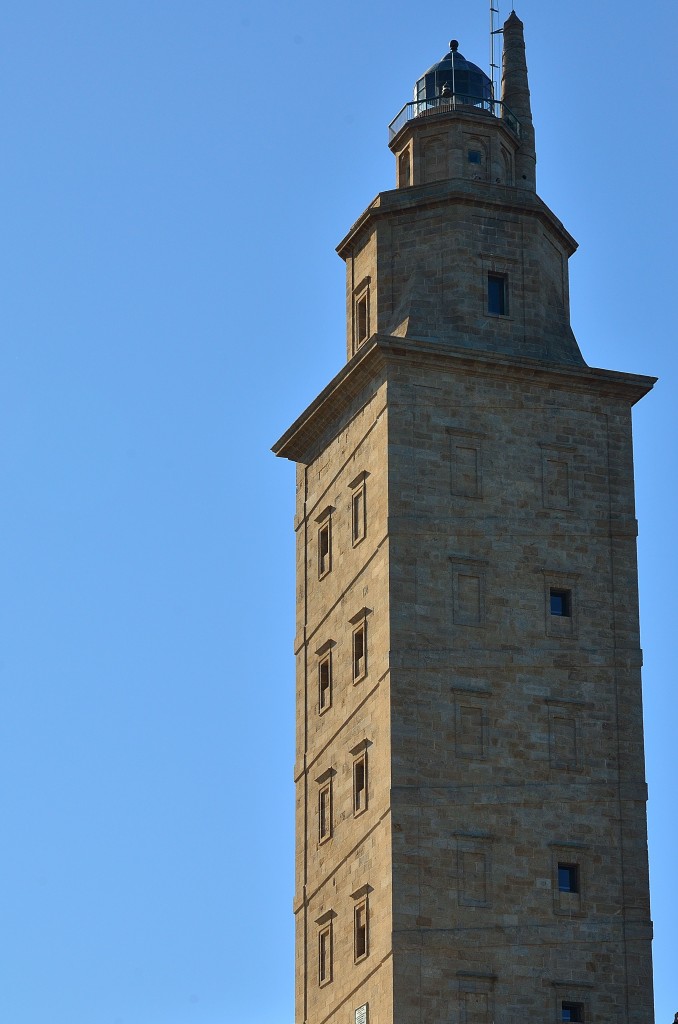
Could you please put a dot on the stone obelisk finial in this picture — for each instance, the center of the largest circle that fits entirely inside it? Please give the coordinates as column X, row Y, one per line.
column 515, row 93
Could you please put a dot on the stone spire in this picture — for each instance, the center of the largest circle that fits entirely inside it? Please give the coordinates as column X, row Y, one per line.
column 515, row 93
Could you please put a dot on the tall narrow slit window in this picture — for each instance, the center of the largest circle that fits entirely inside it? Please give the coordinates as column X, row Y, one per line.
column 325, row 812
column 497, row 294
column 360, row 931
column 360, row 651
column 404, row 169
column 358, row 513
column 325, row 682
column 361, row 317
column 325, row 955
column 360, row 784
column 324, row 548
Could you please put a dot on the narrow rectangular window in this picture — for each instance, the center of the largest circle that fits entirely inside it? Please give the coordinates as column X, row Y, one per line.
column 359, row 652
column 325, row 955
column 358, row 518
column 324, row 549
column 404, row 172
column 572, row 1011
column 568, row 877
column 568, row 882
column 360, row 933
column 325, row 682
column 325, row 812
column 496, row 294
column 561, row 602
column 360, row 784
column 361, row 318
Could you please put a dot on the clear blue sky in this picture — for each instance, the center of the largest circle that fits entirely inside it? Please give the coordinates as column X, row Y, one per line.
column 175, row 176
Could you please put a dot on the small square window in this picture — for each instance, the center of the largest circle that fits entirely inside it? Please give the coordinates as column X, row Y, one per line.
column 568, row 877
column 360, row 784
column 360, row 933
column 496, row 294
column 325, row 955
column 561, row 602
column 325, row 812
column 572, row 1011
column 324, row 549
column 325, row 682
column 475, row 156
column 359, row 652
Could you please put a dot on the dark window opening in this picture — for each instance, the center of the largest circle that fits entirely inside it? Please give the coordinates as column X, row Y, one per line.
column 405, row 172
column 496, row 294
column 568, row 877
column 359, row 785
column 325, row 683
column 358, row 515
column 572, row 1011
column 561, row 603
column 324, row 559
column 325, row 956
column 324, row 813
column 362, row 320
column 475, row 156
column 359, row 653
column 360, row 931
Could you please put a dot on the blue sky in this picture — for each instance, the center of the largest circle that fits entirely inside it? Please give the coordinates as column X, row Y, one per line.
column 175, row 178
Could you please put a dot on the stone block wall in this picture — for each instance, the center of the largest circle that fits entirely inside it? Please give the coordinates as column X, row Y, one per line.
column 516, row 734
column 351, row 865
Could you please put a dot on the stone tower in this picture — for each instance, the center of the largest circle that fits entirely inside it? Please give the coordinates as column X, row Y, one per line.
column 471, row 831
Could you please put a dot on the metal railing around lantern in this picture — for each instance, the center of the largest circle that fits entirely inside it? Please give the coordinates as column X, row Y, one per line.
column 444, row 104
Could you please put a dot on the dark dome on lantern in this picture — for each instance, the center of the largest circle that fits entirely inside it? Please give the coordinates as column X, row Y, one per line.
column 457, row 76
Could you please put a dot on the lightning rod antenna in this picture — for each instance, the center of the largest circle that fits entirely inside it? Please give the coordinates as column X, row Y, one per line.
column 494, row 32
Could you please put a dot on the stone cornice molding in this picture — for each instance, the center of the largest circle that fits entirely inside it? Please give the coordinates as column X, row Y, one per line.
column 507, row 199
column 366, row 370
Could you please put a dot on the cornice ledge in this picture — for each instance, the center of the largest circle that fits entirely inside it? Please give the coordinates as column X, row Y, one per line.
column 381, row 349
column 344, row 386
column 509, row 198
column 425, row 352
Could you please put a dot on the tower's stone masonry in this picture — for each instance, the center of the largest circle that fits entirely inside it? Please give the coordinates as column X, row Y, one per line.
column 427, row 252
column 516, row 734
column 471, row 835
column 356, row 857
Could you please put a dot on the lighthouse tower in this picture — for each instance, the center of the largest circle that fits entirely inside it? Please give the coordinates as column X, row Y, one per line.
column 471, row 827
